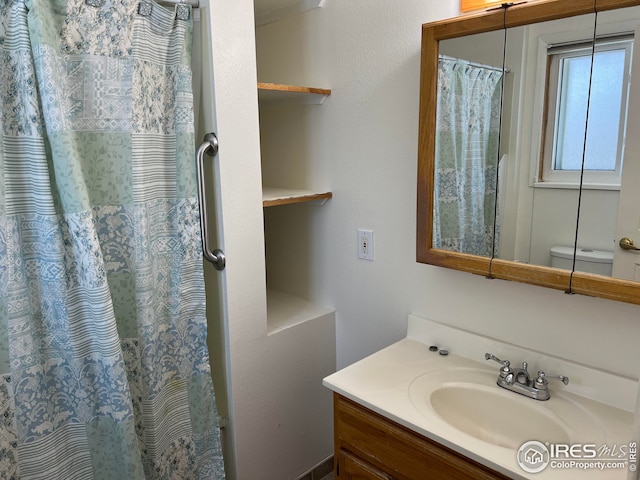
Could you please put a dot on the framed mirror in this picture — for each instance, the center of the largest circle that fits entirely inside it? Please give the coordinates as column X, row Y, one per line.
column 527, row 216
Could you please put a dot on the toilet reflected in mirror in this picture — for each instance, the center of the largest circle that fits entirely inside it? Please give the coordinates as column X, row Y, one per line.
column 599, row 262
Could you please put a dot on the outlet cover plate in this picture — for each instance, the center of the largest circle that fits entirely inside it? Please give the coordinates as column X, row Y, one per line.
column 365, row 244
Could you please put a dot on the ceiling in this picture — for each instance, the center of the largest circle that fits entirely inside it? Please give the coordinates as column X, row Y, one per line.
column 263, row 7
column 267, row 11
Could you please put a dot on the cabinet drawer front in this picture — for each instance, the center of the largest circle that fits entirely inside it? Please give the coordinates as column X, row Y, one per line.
column 353, row 468
column 397, row 450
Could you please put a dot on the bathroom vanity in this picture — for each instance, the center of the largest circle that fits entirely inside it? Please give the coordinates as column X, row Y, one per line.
column 410, row 413
column 370, row 446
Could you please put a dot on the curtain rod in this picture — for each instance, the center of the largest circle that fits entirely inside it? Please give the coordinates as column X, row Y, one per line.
column 473, row 64
column 192, row 3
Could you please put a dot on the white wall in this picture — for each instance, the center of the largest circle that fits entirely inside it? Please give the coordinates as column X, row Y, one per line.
column 364, row 146
column 234, row 117
column 554, row 220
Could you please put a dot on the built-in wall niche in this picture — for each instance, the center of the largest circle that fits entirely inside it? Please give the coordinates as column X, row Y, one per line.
column 290, row 258
column 290, row 199
column 278, row 188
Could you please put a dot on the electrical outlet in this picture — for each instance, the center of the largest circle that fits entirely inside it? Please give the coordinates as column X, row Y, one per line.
column 365, row 244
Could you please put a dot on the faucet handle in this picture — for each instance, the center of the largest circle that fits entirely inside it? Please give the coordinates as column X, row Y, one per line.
column 541, row 381
column 491, row 356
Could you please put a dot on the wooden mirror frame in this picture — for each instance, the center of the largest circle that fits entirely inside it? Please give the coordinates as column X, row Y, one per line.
column 432, row 33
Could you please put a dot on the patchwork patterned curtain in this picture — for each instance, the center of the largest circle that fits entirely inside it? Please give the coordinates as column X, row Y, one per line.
column 467, row 136
column 104, row 369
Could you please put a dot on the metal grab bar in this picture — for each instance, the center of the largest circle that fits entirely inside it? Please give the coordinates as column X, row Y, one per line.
column 210, row 147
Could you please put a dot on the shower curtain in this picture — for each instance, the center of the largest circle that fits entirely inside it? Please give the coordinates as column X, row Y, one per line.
column 467, row 144
column 104, row 369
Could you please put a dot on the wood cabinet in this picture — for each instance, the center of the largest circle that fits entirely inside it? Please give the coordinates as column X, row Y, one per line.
column 368, row 446
column 353, row 468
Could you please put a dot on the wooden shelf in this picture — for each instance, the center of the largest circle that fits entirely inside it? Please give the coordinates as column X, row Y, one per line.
column 272, row 197
column 275, row 92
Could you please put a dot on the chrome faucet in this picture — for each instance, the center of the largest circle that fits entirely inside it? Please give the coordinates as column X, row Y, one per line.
column 518, row 379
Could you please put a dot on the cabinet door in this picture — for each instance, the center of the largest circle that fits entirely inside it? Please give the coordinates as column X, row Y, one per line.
column 353, row 468
column 379, row 443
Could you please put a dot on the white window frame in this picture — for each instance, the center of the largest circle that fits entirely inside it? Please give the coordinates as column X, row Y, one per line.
column 548, row 176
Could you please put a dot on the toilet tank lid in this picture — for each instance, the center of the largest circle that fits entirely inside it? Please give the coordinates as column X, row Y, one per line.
column 584, row 254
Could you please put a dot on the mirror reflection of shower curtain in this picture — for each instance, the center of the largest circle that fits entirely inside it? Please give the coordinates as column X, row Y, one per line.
column 104, row 367
column 467, row 144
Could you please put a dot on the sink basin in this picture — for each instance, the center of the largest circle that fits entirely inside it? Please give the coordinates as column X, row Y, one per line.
column 470, row 401
column 490, row 416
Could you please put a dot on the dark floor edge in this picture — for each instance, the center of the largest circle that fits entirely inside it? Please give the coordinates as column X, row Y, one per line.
column 320, row 471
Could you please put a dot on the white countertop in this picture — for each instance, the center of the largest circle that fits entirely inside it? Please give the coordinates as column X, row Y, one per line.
column 382, row 381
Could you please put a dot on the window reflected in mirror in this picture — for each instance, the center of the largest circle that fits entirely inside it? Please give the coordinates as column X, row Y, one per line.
column 571, row 85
